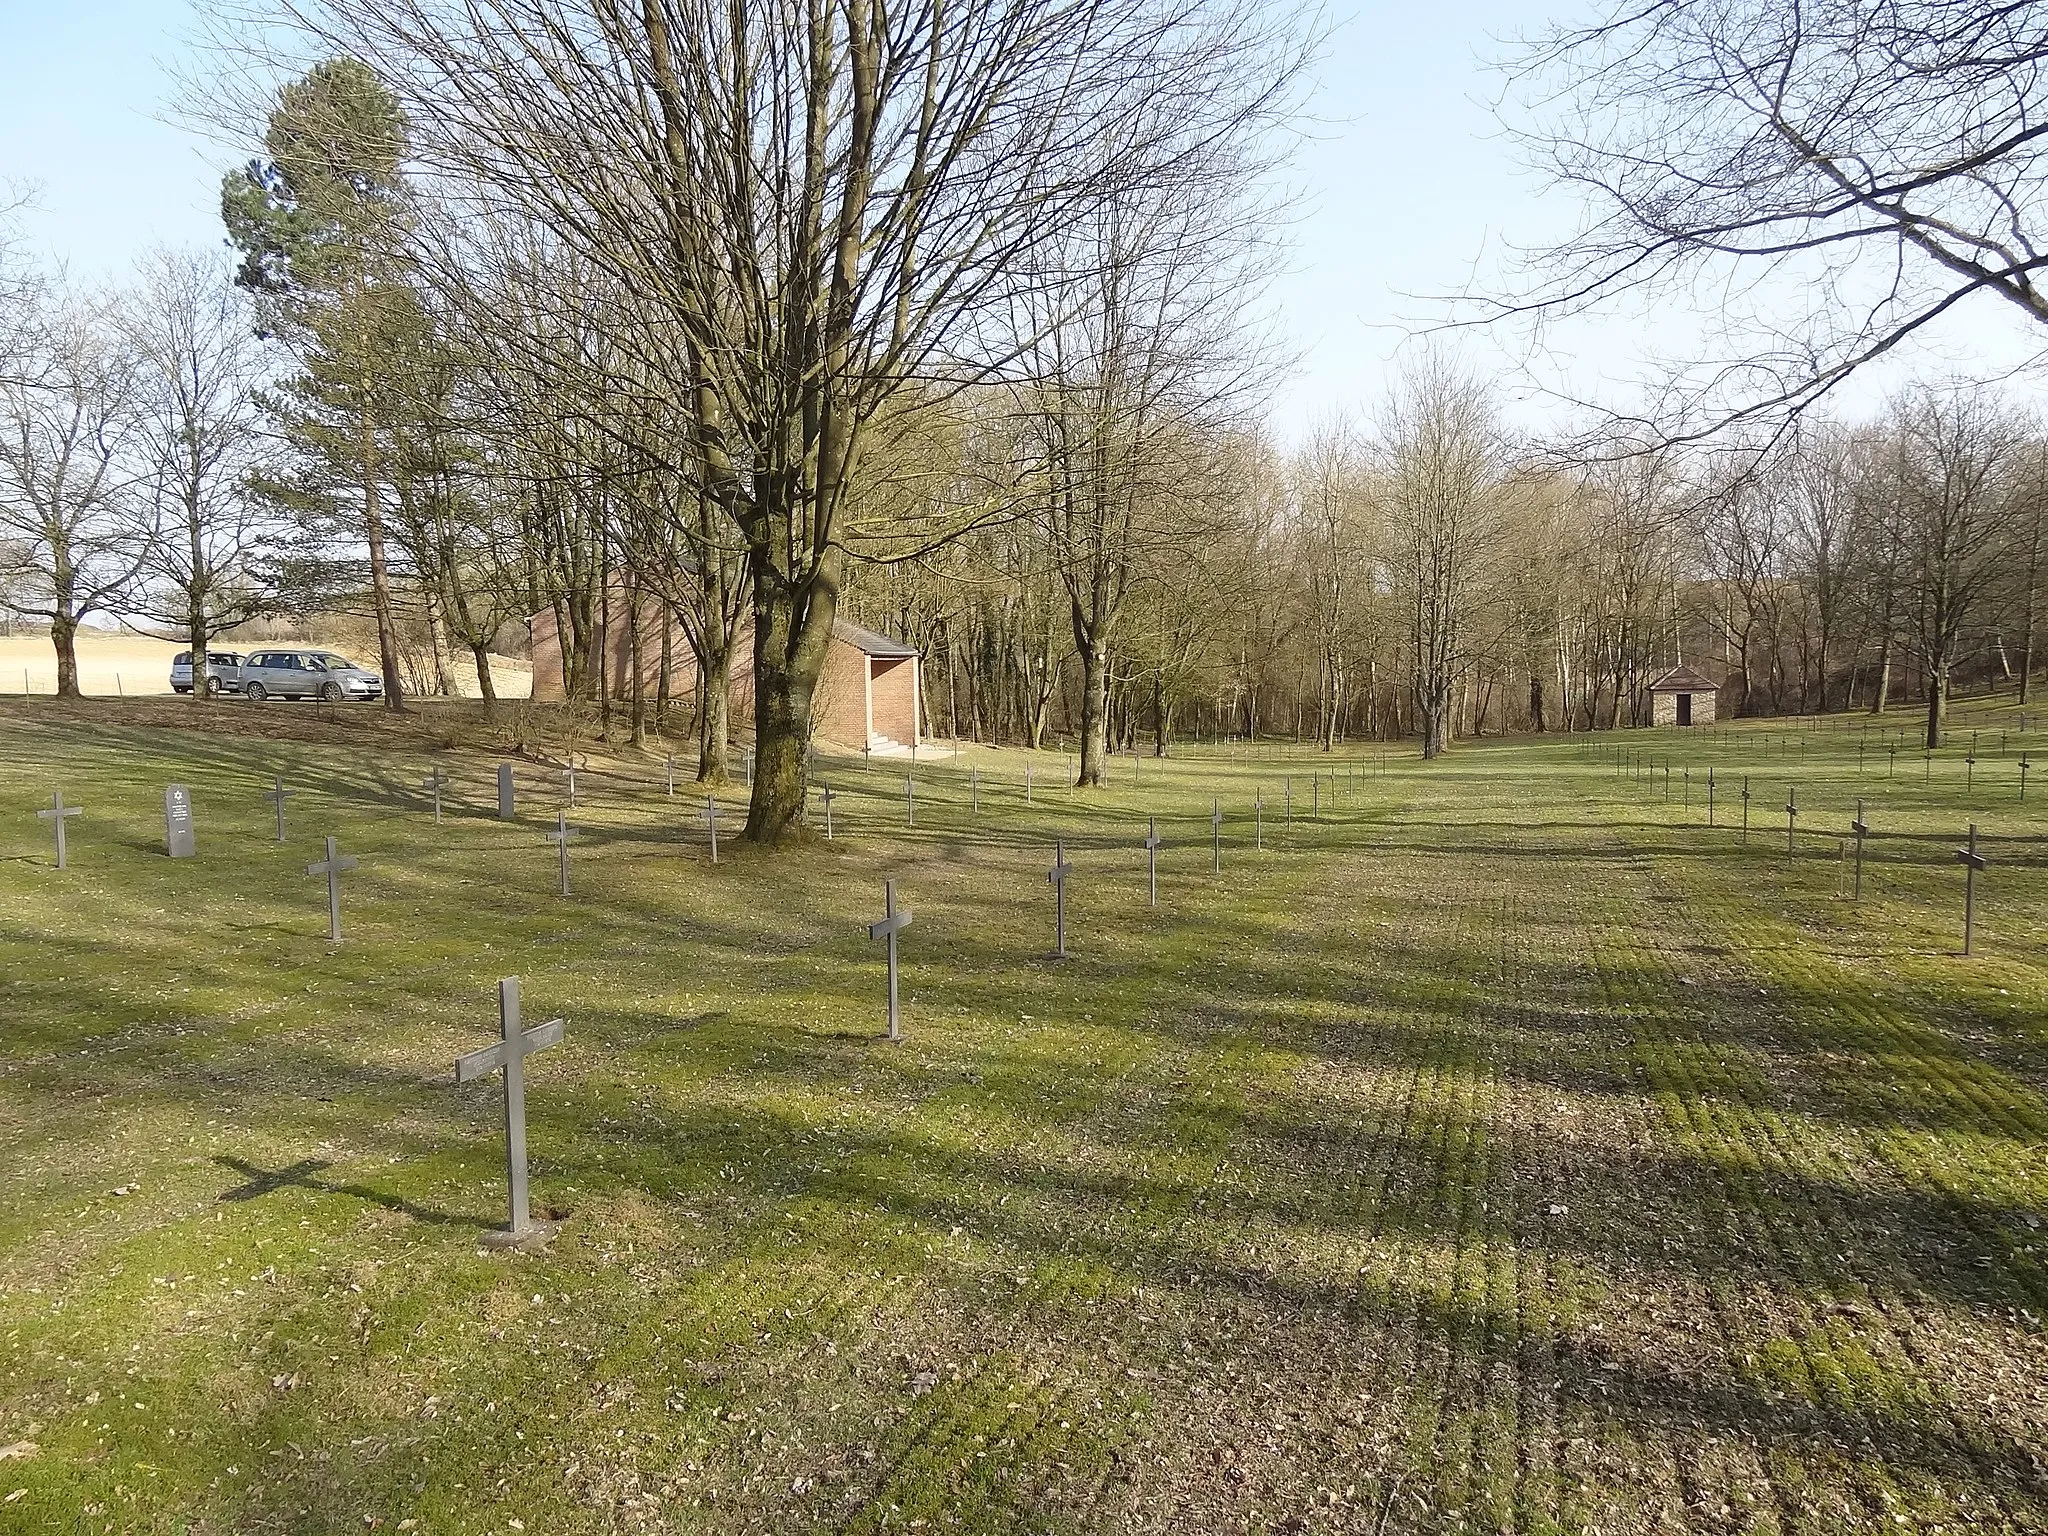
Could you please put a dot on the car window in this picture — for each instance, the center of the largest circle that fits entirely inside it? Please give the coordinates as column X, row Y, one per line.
column 182, row 659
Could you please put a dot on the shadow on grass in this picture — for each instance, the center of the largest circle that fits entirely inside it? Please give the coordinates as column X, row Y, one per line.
column 303, row 1175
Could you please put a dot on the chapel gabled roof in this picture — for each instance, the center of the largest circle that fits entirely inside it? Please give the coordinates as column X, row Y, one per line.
column 870, row 642
column 1683, row 679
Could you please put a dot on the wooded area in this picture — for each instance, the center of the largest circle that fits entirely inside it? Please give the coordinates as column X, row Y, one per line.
column 951, row 322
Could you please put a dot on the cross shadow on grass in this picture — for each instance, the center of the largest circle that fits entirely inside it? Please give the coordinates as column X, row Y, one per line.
column 304, row 1175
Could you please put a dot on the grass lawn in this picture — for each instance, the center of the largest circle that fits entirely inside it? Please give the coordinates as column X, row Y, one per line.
column 1505, row 1150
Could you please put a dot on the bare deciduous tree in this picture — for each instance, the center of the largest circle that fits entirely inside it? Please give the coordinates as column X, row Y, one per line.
column 1443, row 470
column 197, row 438
column 1862, row 168
column 69, row 508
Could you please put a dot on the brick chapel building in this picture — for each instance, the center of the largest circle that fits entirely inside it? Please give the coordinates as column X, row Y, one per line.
column 868, row 695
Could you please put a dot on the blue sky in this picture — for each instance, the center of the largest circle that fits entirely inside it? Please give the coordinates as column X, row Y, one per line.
column 1406, row 185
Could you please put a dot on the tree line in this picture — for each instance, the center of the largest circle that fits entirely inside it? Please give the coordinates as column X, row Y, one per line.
column 948, row 320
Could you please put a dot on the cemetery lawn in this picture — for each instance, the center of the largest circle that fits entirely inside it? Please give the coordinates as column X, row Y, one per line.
column 1506, row 1150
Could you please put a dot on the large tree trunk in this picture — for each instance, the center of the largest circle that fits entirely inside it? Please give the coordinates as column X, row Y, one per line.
column 792, row 631
column 1094, row 713
column 64, row 637
column 1434, row 704
column 639, row 722
column 380, row 571
column 714, row 713
column 487, row 688
column 1937, row 701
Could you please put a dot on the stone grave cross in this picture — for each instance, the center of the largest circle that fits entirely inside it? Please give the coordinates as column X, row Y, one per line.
column 1859, row 830
column 509, row 1055
column 974, row 789
column 277, row 798
column 1972, row 861
column 1745, row 808
column 1216, row 832
column 434, row 783
column 1791, row 814
column 1058, row 876
column 893, row 922
column 671, row 766
column 508, row 804
column 59, row 813
column 711, row 823
column 910, row 800
column 1259, row 821
column 1152, row 861
column 569, row 777
column 560, row 838
column 2023, row 775
column 334, row 866
column 825, row 792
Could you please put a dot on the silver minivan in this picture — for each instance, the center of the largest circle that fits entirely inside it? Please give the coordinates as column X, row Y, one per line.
column 297, row 674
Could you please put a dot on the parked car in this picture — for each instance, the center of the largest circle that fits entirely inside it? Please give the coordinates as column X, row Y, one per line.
column 223, row 672
column 297, row 674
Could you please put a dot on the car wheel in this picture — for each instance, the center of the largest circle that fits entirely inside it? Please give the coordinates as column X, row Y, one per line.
column 255, row 693
column 330, row 693
column 213, row 687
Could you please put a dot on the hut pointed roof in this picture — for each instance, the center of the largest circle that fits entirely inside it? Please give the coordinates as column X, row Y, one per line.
column 1683, row 679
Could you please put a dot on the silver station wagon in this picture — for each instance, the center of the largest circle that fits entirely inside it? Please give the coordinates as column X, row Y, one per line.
column 297, row 674
column 223, row 672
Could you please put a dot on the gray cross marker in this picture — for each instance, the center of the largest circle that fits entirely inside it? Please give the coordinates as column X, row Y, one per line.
column 569, row 773
column 1861, row 831
column 910, row 800
column 1152, row 860
column 1791, row 815
column 560, row 838
column 58, row 813
column 711, row 822
column 1745, row 808
column 508, row 805
column 893, row 923
column 2023, row 775
column 974, row 786
column 1259, row 821
column 510, row 1054
column 825, row 791
column 334, row 866
column 1315, row 807
column 1710, row 797
column 1058, row 876
column 1216, row 831
column 750, row 767
column 1027, row 783
column 1891, row 761
column 671, row 776
column 1972, row 861
column 277, row 798
column 435, row 782
column 1290, row 803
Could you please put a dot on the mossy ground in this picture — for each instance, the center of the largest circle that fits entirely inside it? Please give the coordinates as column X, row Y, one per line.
column 1504, row 1149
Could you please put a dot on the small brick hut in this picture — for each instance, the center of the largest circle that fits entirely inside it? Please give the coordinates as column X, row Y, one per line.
column 868, row 694
column 1682, row 697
